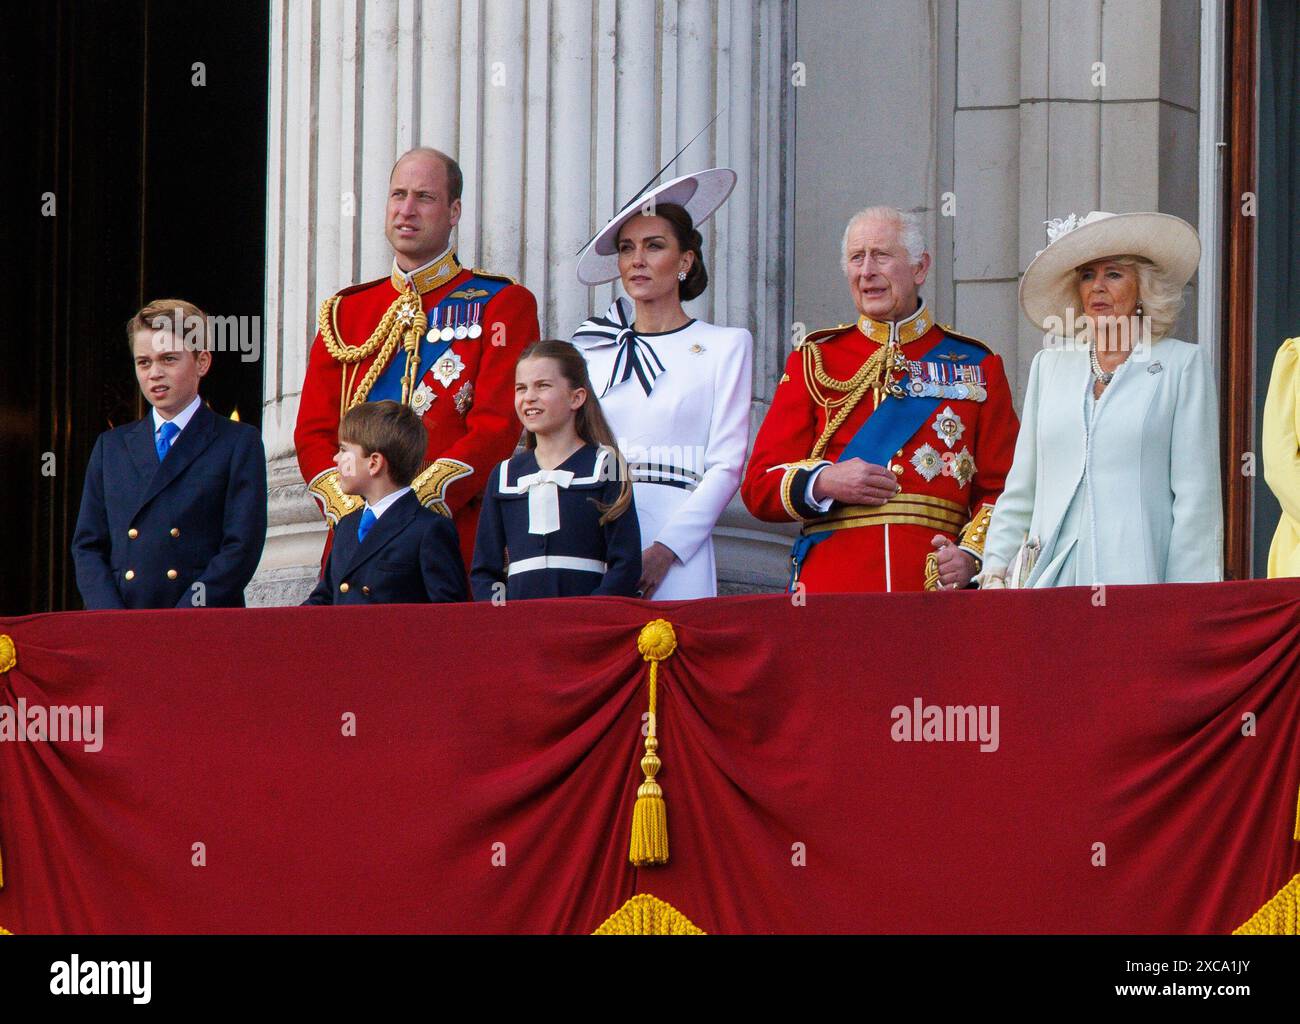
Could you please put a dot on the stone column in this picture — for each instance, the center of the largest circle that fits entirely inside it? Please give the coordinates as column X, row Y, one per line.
column 1109, row 100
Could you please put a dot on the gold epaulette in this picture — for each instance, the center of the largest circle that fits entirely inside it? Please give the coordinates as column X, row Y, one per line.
column 492, row 277
column 822, row 334
column 964, row 337
column 352, row 289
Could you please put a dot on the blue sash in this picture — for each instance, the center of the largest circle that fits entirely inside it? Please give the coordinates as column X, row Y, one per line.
column 466, row 305
column 886, row 430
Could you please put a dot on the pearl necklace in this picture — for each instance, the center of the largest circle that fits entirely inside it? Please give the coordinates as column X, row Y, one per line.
column 1105, row 376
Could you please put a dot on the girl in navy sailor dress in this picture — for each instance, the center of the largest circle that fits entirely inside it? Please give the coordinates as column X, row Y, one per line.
column 558, row 519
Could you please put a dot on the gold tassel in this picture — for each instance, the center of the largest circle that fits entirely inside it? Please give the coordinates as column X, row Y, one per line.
column 1295, row 833
column 650, row 815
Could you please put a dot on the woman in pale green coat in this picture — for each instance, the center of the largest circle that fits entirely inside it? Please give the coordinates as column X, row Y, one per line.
column 1116, row 473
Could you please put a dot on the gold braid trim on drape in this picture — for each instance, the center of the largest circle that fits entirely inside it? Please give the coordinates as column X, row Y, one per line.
column 1279, row 916
column 644, row 914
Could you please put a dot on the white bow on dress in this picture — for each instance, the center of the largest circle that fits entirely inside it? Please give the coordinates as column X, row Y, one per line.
column 543, row 489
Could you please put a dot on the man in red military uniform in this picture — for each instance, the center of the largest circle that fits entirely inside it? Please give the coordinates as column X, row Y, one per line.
column 433, row 335
column 889, row 440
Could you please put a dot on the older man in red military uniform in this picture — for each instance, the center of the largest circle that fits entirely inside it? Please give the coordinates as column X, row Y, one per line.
column 889, row 439
column 434, row 335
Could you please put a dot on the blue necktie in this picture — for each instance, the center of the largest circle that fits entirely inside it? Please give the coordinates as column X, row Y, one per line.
column 163, row 442
column 368, row 519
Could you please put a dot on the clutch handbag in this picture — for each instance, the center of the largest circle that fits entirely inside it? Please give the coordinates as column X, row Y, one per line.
column 1022, row 566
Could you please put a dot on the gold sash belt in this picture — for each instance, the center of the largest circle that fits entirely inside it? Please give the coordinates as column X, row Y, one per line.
column 900, row 510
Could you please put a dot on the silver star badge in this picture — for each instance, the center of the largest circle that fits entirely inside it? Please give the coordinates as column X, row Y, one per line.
column 948, row 426
column 448, row 368
column 927, row 462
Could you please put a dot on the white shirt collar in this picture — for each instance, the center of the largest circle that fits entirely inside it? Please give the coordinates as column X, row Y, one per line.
column 383, row 504
column 408, row 275
column 181, row 419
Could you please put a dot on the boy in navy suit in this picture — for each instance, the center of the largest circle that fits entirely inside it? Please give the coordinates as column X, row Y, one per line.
column 173, row 513
column 393, row 550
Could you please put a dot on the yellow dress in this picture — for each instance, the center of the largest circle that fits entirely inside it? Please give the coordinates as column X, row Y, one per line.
column 1282, row 457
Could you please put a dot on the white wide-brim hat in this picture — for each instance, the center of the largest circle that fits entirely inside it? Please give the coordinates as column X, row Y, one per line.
column 1050, row 286
column 699, row 194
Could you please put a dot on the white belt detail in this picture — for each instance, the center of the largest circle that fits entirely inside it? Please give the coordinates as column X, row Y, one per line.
column 557, row 562
column 544, row 498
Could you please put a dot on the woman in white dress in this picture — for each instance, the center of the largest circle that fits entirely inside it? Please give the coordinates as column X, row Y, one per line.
column 676, row 390
column 1116, row 473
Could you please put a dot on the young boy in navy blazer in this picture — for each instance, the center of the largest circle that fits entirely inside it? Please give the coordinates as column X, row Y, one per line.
column 173, row 513
column 393, row 550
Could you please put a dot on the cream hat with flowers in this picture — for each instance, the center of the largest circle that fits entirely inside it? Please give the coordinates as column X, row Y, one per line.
column 1050, row 286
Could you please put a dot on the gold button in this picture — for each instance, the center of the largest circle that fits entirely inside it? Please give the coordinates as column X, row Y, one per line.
column 172, row 574
column 365, row 590
column 897, row 469
column 343, row 588
column 175, row 532
column 900, row 453
column 133, row 533
column 129, row 574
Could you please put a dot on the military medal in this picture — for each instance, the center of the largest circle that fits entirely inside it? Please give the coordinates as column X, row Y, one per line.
column 963, row 467
column 421, row 398
column 476, row 329
column 464, row 398
column 448, row 333
column 927, row 462
column 462, row 332
column 945, row 380
column 948, row 426
column 448, row 367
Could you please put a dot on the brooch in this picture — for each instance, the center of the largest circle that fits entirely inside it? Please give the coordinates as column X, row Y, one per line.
column 464, row 398
column 1154, row 368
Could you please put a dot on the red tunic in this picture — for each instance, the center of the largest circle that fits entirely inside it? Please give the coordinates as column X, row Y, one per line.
column 951, row 470
column 470, row 429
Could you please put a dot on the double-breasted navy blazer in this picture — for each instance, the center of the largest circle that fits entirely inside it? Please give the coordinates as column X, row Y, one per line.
column 184, row 532
column 411, row 555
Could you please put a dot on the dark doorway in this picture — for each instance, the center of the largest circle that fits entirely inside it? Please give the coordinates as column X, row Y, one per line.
column 136, row 169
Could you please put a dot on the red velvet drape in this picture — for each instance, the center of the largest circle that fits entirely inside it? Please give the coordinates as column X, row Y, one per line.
column 790, row 806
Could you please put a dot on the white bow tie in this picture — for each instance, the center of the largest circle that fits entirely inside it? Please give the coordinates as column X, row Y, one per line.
column 543, row 489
